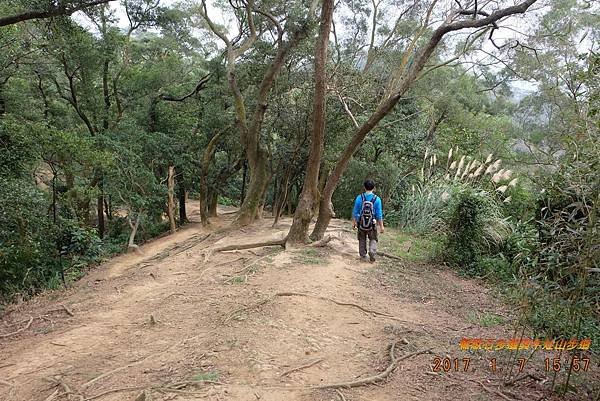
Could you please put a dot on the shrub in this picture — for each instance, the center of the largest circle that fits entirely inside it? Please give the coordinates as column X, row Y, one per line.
column 225, row 201
column 28, row 253
column 421, row 210
column 474, row 227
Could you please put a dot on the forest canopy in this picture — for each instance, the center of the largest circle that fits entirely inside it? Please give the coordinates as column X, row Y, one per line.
column 479, row 122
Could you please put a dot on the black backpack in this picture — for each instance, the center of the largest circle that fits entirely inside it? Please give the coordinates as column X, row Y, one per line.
column 366, row 221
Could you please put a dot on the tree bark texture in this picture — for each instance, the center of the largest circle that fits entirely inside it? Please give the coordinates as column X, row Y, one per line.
column 310, row 190
column 171, row 199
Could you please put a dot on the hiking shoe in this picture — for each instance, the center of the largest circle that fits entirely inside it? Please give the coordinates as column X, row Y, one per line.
column 364, row 259
column 372, row 258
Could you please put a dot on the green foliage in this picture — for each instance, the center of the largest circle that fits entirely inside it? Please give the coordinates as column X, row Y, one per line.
column 485, row 319
column 409, row 246
column 474, row 227
column 28, row 254
column 207, row 376
column 225, row 201
column 421, row 209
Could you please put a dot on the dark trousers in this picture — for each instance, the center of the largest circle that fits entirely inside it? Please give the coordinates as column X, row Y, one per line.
column 362, row 242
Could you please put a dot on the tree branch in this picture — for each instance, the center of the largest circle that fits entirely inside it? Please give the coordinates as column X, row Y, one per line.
column 54, row 11
column 201, row 84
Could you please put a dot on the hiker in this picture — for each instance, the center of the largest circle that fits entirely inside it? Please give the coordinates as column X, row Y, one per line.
column 366, row 216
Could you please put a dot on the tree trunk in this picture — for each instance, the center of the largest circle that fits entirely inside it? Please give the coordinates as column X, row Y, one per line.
column 322, row 182
column 275, row 198
column 98, row 181
column 244, row 173
column 281, row 199
column 209, row 152
column 181, row 197
column 54, row 196
column 310, row 190
column 171, row 201
column 256, row 152
column 134, row 227
column 2, row 101
column 259, row 178
column 107, row 208
column 212, row 206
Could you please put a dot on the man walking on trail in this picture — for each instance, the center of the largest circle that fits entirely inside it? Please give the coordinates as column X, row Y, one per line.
column 367, row 215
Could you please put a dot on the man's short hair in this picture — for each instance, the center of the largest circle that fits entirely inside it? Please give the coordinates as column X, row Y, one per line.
column 369, row 184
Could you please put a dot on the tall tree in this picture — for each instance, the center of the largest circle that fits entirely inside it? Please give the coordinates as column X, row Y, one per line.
column 401, row 81
column 250, row 129
column 310, row 190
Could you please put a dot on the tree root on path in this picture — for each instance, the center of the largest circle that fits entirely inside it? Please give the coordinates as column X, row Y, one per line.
column 114, row 390
column 300, row 294
column 239, row 247
column 63, row 308
column 376, row 378
column 19, row 330
column 322, row 243
column 6, row 383
column 342, row 398
column 41, row 317
column 103, row 375
column 305, row 366
column 387, row 255
column 366, row 310
column 493, row 391
column 253, row 263
column 175, row 388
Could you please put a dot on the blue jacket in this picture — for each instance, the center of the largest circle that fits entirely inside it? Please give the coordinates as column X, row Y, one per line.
column 377, row 208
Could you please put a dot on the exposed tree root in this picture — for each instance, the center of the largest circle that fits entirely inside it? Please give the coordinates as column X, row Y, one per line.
column 20, row 330
column 246, row 308
column 323, row 242
column 102, row 376
column 387, row 255
column 63, row 308
column 239, row 247
column 376, row 378
column 114, row 390
column 56, row 380
column 173, row 388
column 280, row 242
column 230, row 212
column 300, row 294
column 305, row 366
column 342, row 398
column 493, row 391
column 519, row 378
column 253, row 263
column 366, row 310
column 176, row 249
column 53, row 395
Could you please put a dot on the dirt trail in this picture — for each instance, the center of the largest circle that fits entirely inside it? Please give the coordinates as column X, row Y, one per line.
column 168, row 325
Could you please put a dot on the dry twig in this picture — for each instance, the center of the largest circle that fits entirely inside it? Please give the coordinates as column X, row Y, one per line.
column 340, row 394
column 112, row 391
column 305, row 366
column 387, row 255
column 18, row 331
column 493, row 391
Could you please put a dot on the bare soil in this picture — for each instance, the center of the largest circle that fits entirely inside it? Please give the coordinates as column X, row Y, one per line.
column 263, row 324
